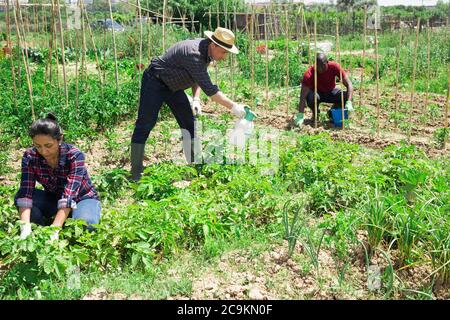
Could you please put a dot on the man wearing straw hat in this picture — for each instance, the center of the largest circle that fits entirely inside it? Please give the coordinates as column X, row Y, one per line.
column 183, row 66
column 327, row 72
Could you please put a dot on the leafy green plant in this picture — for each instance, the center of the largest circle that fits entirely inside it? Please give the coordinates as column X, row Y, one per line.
column 440, row 136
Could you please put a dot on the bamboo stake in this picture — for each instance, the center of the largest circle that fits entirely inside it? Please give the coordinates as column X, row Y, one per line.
column 446, row 106
column 297, row 35
column 55, row 43
column 428, row 67
column 24, row 55
column 217, row 14
column 233, row 58
column 35, row 21
column 114, row 45
column 413, row 78
column 140, row 41
column 397, row 73
column 315, row 73
column 25, row 20
column 252, row 55
column 209, row 19
column 338, row 48
column 266, row 43
column 361, row 85
column 287, row 60
column 104, row 53
column 149, row 39
column 231, row 63
column 164, row 25
column 61, row 38
column 377, row 78
column 86, row 17
column 83, row 45
column 44, row 19
column 225, row 13
column 309, row 38
column 9, row 43
column 192, row 23
column 76, row 70
column 48, row 66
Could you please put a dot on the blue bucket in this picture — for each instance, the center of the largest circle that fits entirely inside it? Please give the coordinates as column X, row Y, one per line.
column 336, row 115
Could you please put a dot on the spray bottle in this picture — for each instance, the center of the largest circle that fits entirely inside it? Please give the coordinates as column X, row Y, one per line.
column 243, row 129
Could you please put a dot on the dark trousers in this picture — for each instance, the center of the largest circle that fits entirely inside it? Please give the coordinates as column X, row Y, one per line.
column 334, row 96
column 45, row 207
column 153, row 94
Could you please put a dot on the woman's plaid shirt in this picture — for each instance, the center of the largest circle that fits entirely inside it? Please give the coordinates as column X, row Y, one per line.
column 69, row 180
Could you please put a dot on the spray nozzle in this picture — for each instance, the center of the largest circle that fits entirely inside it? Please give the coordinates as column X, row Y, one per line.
column 249, row 115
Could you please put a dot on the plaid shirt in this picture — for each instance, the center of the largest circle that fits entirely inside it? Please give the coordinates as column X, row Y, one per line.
column 185, row 64
column 69, row 181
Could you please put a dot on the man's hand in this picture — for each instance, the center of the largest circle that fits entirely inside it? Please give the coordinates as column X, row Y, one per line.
column 238, row 110
column 349, row 106
column 299, row 119
column 25, row 230
column 196, row 106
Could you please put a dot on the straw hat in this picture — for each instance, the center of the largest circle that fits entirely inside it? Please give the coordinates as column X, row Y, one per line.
column 223, row 38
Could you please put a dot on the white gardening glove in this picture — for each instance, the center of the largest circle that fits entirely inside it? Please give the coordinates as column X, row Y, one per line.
column 299, row 119
column 25, row 230
column 349, row 106
column 238, row 110
column 54, row 236
column 196, row 106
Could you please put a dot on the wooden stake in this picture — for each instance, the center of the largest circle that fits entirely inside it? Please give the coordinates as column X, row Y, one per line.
column 83, row 45
column 428, row 68
column 218, row 14
column 361, row 85
column 446, row 106
column 338, row 48
column 76, row 69
column 287, row 60
column 397, row 72
column 35, row 20
column 24, row 55
column 48, row 66
column 61, row 38
column 86, row 17
column 315, row 73
column 209, row 19
column 164, row 26
column 266, row 43
column 114, row 45
column 413, row 78
column 149, row 39
column 9, row 43
column 377, row 79
column 55, row 43
column 252, row 55
column 140, row 40
column 309, row 38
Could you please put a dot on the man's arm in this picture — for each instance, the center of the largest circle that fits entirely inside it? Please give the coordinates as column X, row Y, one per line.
column 303, row 94
column 222, row 99
column 348, row 84
column 196, row 91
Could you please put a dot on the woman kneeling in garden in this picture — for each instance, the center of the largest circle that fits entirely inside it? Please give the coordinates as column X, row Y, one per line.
column 59, row 168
